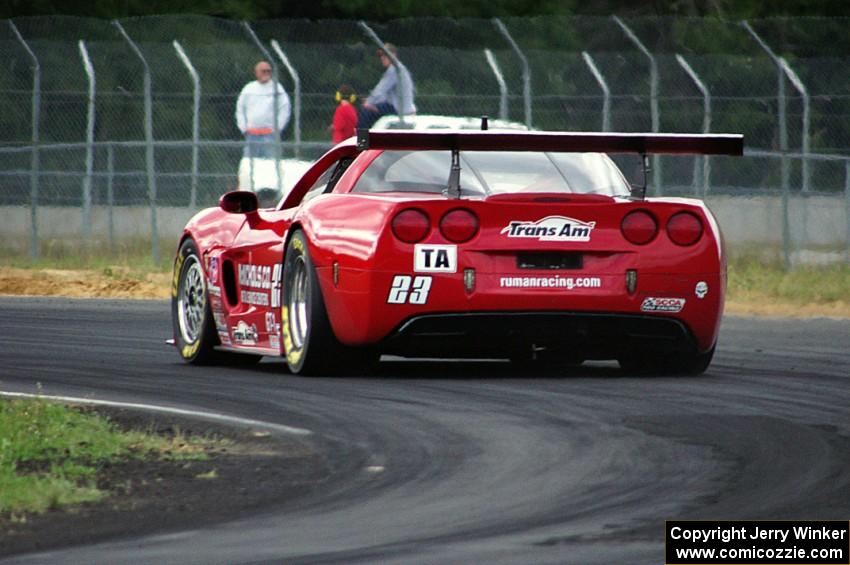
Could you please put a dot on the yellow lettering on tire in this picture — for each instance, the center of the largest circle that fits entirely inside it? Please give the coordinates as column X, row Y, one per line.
column 175, row 279
column 190, row 349
column 292, row 355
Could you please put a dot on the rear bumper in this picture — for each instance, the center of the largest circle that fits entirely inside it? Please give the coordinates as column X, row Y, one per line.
column 499, row 334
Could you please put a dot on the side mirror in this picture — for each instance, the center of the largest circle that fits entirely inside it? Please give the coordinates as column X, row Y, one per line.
column 239, row 202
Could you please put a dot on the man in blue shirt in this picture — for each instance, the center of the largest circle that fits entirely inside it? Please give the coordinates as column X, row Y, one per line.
column 392, row 95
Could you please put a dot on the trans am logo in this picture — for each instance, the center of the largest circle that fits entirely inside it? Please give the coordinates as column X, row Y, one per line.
column 551, row 228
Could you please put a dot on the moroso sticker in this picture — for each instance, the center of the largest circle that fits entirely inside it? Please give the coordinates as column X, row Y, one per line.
column 255, row 276
column 551, row 228
column 651, row 304
column 434, row 258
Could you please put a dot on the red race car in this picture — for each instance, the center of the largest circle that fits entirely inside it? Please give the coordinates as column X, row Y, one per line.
column 459, row 243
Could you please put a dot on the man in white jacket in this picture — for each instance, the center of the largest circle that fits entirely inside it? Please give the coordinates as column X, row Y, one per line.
column 255, row 113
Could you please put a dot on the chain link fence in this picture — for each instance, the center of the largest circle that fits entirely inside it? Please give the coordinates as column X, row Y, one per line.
column 123, row 129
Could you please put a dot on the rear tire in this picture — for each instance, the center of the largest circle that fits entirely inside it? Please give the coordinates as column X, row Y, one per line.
column 194, row 330
column 311, row 346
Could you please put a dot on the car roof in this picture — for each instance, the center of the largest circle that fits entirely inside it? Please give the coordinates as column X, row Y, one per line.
column 433, row 121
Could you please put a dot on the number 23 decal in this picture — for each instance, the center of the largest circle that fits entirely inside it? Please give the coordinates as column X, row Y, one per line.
column 411, row 290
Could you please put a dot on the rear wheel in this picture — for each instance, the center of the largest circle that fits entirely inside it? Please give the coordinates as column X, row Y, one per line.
column 194, row 331
column 311, row 346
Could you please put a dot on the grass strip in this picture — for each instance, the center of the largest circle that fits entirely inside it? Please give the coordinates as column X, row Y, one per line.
column 50, row 453
column 754, row 281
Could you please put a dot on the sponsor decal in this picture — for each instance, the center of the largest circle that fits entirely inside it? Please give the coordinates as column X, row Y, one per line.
column 273, row 330
column 271, row 323
column 556, row 282
column 254, row 297
column 434, row 258
column 277, row 284
column 255, row 276
column 261, row 277
column 701, row 289
column 409, row 290
column 224, row 337
column 212, row 269
column 220, row 323
column 652, row 304
column 214, row 290
column 551, row 228
column 244, row 334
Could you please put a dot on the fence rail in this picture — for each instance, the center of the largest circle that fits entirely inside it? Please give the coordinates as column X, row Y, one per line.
column 141, row 111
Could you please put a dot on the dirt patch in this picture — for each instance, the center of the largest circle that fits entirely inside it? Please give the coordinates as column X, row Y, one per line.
column 116, row 282
column 254, row 470
column 122, row 283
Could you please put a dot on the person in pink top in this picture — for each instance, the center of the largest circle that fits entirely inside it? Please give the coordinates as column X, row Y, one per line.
column 345, row 117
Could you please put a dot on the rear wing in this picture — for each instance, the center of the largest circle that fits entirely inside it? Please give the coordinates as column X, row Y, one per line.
column 565, row 142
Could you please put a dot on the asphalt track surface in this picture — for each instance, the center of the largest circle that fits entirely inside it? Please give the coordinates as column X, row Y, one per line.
column 477, row 462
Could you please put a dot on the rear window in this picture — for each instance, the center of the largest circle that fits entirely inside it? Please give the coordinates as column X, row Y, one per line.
column 494, row 172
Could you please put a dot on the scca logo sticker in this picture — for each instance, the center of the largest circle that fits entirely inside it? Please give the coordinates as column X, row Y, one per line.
column 651, row 304
column 551, row 228
column 434, row 258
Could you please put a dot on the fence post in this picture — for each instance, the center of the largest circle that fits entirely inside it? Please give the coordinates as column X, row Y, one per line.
column 110, row 192
column 526, row 69
column 34, row 156
column 196, row 119
column 500, row 79
column 149, row 148
column 87, row 180
column 655, row 114
column 847, row 210
column 396, row 62
column 275, row 95
column 785, row 167
column 606, row 92
column 806, row 141
column 296, row 94
column 706, row 124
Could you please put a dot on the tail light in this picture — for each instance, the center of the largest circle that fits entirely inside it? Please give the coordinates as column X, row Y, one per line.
column 411, row 225
column 684, row 228
column 639, row 227
column 459, row 225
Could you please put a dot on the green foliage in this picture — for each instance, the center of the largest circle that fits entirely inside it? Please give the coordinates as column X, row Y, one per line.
column 754, row 280
column 49, row 454
column 369, row 9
